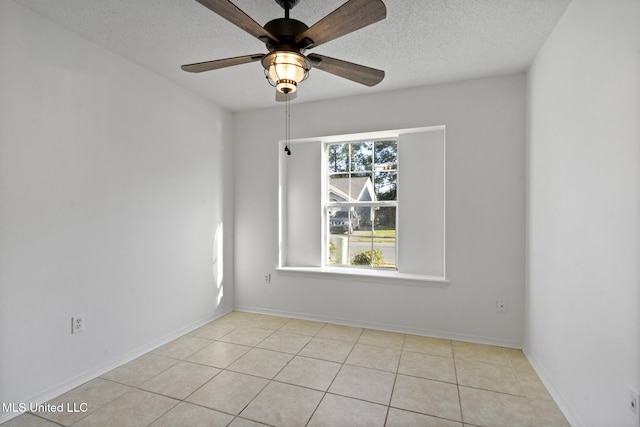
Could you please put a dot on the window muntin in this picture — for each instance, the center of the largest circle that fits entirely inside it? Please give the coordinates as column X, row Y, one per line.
column 361, row 204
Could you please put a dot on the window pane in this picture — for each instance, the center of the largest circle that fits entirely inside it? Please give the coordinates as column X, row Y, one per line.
column 343, row 223
column 384, row 237
column 338, row 250
column 386, row 154
column 361, row 188
column 386, row 175
column 338, row 158
column 386, row 185
column 364, row 216
column 339, row 190
column 360, row 242
column 361, row 156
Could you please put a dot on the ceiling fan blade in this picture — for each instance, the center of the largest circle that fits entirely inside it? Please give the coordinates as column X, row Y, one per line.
column 221, row 63
column 358, row 73
column 281, row 97
column 236, row 16
column 349, row 17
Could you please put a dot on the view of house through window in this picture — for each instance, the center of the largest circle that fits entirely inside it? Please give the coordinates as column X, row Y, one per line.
column 361, row 203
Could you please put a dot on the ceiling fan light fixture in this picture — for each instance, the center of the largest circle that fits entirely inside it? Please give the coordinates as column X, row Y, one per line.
column 285, row 69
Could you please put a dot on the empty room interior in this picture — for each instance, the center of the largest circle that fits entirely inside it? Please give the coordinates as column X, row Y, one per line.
column 173, row 235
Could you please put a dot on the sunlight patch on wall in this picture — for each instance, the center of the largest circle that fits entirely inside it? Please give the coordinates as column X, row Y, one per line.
column 218, row 264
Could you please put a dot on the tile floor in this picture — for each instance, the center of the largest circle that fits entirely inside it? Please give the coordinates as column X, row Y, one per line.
column 248, row 369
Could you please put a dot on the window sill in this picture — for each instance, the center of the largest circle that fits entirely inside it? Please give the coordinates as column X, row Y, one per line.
column 369, row 274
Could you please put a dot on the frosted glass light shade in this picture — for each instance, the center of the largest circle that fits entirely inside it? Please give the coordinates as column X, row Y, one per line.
column 285, row 70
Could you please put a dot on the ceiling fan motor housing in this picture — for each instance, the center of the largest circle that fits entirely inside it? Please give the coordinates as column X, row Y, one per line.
column 286, row 31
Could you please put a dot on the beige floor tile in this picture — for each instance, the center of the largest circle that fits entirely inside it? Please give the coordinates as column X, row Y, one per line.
column 261, row 363
column 488, row 408
column 370, row 356
column 302, row 327
column 182, row 347
column 488, row 376
column 228, row 392
column 246, row 336
column 29, row 420
column 364, row 383
column 140, row 370
column 517, row 359
column 340, row 333
column 529, row 380
column 225, row 321
column 523, row 368
column 180, row 380
column 133, row 409
column 427, row 366
column 532, row 385
column 266, row 321
column 548, row 414
column 94, row 394
column 344, row 411
column 326, row 349
column 479, row 353
column 285, row 342
column 243, row 422
column 187, row 415
column 213, row 330
column 428, row 345
column 382, row 338
column 219, row 354
column 306, row 372
column 241, row 318
column 400, row 418
column 283, row 405
column 427, row 397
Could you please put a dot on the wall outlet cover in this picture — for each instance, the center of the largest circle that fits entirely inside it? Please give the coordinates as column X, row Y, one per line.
column 77, row 324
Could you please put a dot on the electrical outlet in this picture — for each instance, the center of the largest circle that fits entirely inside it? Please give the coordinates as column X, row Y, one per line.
column 77, row 324
column 633, row 402
column 267, row 278
column 501, row 305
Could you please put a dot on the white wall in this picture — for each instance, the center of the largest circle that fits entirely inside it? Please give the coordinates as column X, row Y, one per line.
column 485, row 122
column 583, row 295
column 112, row 181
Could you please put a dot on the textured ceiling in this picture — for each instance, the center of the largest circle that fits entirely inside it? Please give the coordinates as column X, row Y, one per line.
column 420, row 42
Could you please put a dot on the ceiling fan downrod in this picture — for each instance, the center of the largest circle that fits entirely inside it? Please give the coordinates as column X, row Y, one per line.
column 287, row 4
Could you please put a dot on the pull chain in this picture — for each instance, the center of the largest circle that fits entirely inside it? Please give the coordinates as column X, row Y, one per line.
column 287, row 122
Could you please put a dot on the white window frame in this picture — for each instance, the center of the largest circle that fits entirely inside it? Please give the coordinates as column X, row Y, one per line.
column 328, row 204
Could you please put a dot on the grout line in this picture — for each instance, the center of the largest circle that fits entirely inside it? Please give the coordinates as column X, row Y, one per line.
column 455, row 371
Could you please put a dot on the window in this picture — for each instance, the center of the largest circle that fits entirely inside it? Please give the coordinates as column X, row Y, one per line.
column 366, row 204
column 361, row 184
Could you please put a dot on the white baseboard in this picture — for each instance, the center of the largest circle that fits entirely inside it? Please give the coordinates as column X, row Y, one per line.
column 388, row 327
column 74, row 382
column 569, row 414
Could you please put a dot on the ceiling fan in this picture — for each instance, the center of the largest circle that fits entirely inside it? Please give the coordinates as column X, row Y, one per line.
column 287, row 39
